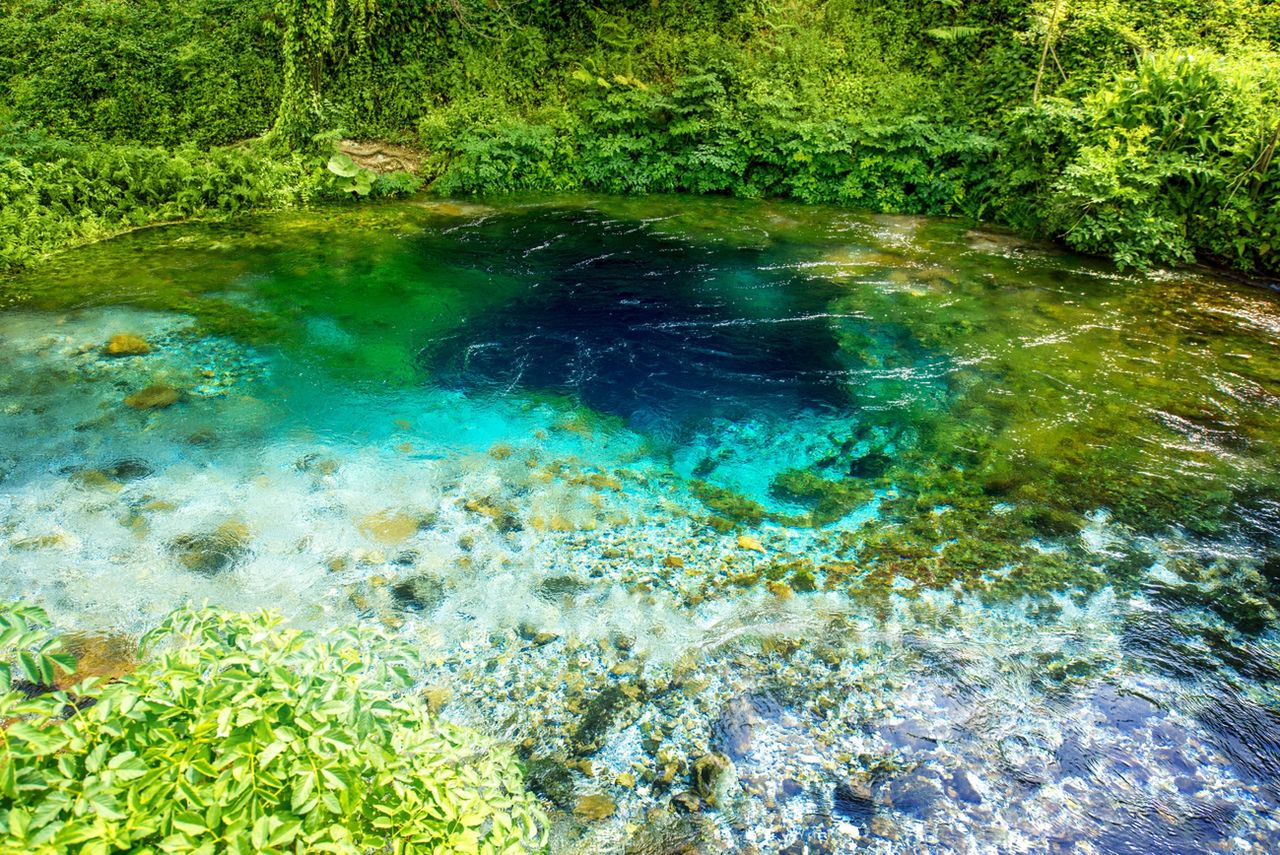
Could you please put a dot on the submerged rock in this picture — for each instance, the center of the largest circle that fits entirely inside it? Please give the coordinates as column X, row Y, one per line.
column 437, row 697
column 594, row 807
column 853, row 801
column 535, row 636
column 106, row 655
column 917, row 794
column 313, row 462
column 127, row 469
column 551, row 779
column 729, row 505
column 423, row 592
column 686, row 803
column 154, row 397
column 871, row 465
column 211, row 553
column 828, row 500
column 664, row 833
column 555, row 588
column 599, row 717
column 503, row 514
column 968, row 787
column 126, row 344
column 43, row 541
column 389, row 527
column 736, row 726
column 96, row 479
column 713, row 776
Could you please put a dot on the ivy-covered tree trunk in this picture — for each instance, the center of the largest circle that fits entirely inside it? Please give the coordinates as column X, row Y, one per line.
column 308, row 37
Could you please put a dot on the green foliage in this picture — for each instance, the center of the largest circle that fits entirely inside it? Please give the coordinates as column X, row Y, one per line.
column 140, row 72
column 921, row 107
column 242, row 736
column 1177, row 161
column 398, row 183
column 348, row 177
column 29, row 656
column 54, row 194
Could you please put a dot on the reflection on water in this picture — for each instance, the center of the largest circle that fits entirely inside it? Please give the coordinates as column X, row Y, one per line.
column 752, row 525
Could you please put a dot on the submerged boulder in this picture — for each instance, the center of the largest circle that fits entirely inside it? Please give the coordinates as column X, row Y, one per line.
column 154, row 397
column 126, row 344
column 211, row 553
column 423, row 592
column 713, row 776
column 389, row 527
column 106, row 655
column 594, row 807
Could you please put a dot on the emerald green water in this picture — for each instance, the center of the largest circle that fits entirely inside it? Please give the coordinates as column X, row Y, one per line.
column 936, row 539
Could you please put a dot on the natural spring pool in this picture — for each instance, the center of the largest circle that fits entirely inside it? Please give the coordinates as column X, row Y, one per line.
column 756, row 527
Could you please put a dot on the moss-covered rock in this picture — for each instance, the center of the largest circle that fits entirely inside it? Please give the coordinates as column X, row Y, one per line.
column 828, row 500
column 157, row 396
column 728, row 504
column 126, row 344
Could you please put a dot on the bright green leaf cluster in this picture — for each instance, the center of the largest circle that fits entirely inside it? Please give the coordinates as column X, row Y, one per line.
column 241, row 736
column 29, row 656
column 349, row 176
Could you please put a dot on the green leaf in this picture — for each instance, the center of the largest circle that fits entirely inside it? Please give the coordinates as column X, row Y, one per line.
column 105, row 806
column 190, row 823
column 343, row 166
column 30, row 667
column 41, row 741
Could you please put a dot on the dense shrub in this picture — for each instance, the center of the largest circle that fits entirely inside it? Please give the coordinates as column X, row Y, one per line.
column 241, row 736
column 1178, row 160
column 205, row 72
column 53, row 194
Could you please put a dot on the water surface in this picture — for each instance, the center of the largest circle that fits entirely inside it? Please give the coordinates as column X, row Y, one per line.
column 778, row 526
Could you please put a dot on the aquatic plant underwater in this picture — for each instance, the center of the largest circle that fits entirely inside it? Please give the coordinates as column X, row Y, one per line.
column 745, row 524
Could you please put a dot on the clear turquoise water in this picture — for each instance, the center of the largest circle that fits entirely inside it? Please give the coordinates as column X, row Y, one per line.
column 945, row 541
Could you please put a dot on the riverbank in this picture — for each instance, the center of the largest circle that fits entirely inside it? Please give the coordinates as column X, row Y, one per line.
column 1144, row 134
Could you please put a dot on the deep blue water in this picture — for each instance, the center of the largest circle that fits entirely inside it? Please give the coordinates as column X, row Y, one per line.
column 660, row 333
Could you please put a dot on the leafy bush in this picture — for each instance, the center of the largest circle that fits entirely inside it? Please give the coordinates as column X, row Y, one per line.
column 398, row 183
column 1178, row 161
column 506, row 157
column 241, row 736
column 54, row 194
column 348, row 177
column 145, row 71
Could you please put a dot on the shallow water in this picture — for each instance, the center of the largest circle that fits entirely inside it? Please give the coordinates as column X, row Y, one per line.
column 781, row 527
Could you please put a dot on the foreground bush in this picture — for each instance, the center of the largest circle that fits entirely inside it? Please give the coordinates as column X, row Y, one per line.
column 241, row 736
